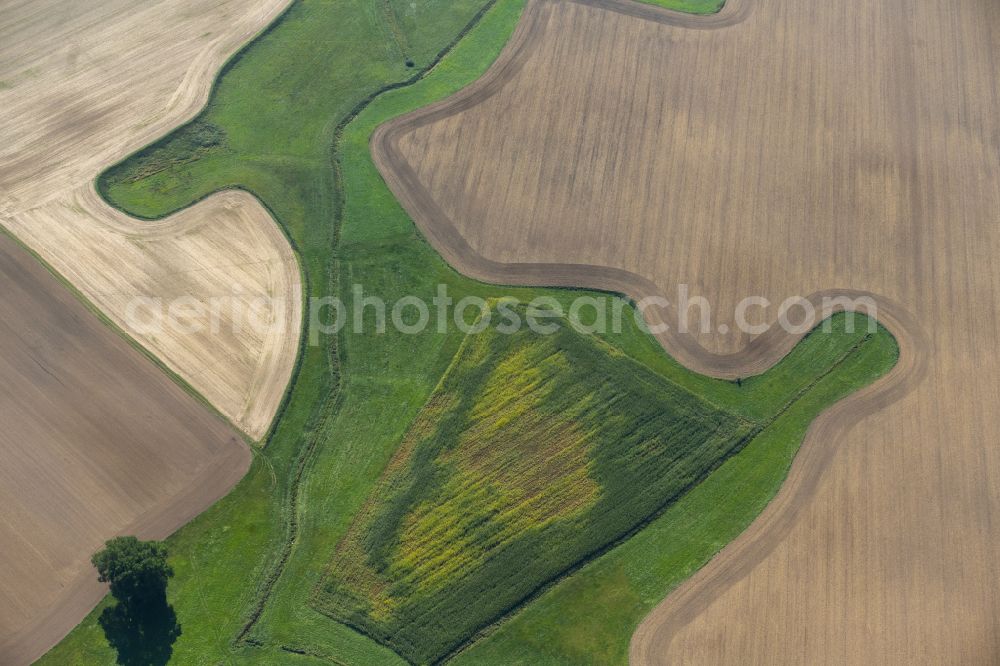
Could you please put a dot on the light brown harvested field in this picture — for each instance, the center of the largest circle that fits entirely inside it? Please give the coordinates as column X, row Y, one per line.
column 82, row 85
column 96, row 441
column 783, row 147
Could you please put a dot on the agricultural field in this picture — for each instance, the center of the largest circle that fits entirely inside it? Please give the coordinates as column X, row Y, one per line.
column 96, row 439
column 842, row 506
column 82, row 86
column 774, row 149
column 534, row 453
column 248, row 570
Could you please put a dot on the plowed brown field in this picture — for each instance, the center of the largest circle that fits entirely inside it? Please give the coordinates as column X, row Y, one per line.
column 96, row 441
column 780, row 148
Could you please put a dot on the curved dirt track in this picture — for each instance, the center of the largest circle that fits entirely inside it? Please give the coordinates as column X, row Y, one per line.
column 782, row 148
column 85, row 85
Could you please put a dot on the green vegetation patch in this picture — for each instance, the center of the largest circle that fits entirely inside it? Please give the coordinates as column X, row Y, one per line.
column 535, row 452
column 188, row 144
column 690, row 6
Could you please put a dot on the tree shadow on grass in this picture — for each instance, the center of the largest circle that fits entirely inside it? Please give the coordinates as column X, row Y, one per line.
column 141, row 636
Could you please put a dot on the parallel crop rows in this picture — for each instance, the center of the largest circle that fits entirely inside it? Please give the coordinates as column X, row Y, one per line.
column 551, row 448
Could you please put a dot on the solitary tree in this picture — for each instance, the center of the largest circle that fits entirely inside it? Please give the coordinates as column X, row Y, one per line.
column 137, row 570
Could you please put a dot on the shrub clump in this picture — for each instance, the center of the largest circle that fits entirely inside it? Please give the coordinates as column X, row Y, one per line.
column 189, row 143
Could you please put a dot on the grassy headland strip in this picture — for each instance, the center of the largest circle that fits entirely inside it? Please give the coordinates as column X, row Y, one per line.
column 333, row 352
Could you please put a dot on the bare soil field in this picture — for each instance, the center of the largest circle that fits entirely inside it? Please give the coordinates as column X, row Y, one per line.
column 779, row 148
column 83, row 85
column 96, row 441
